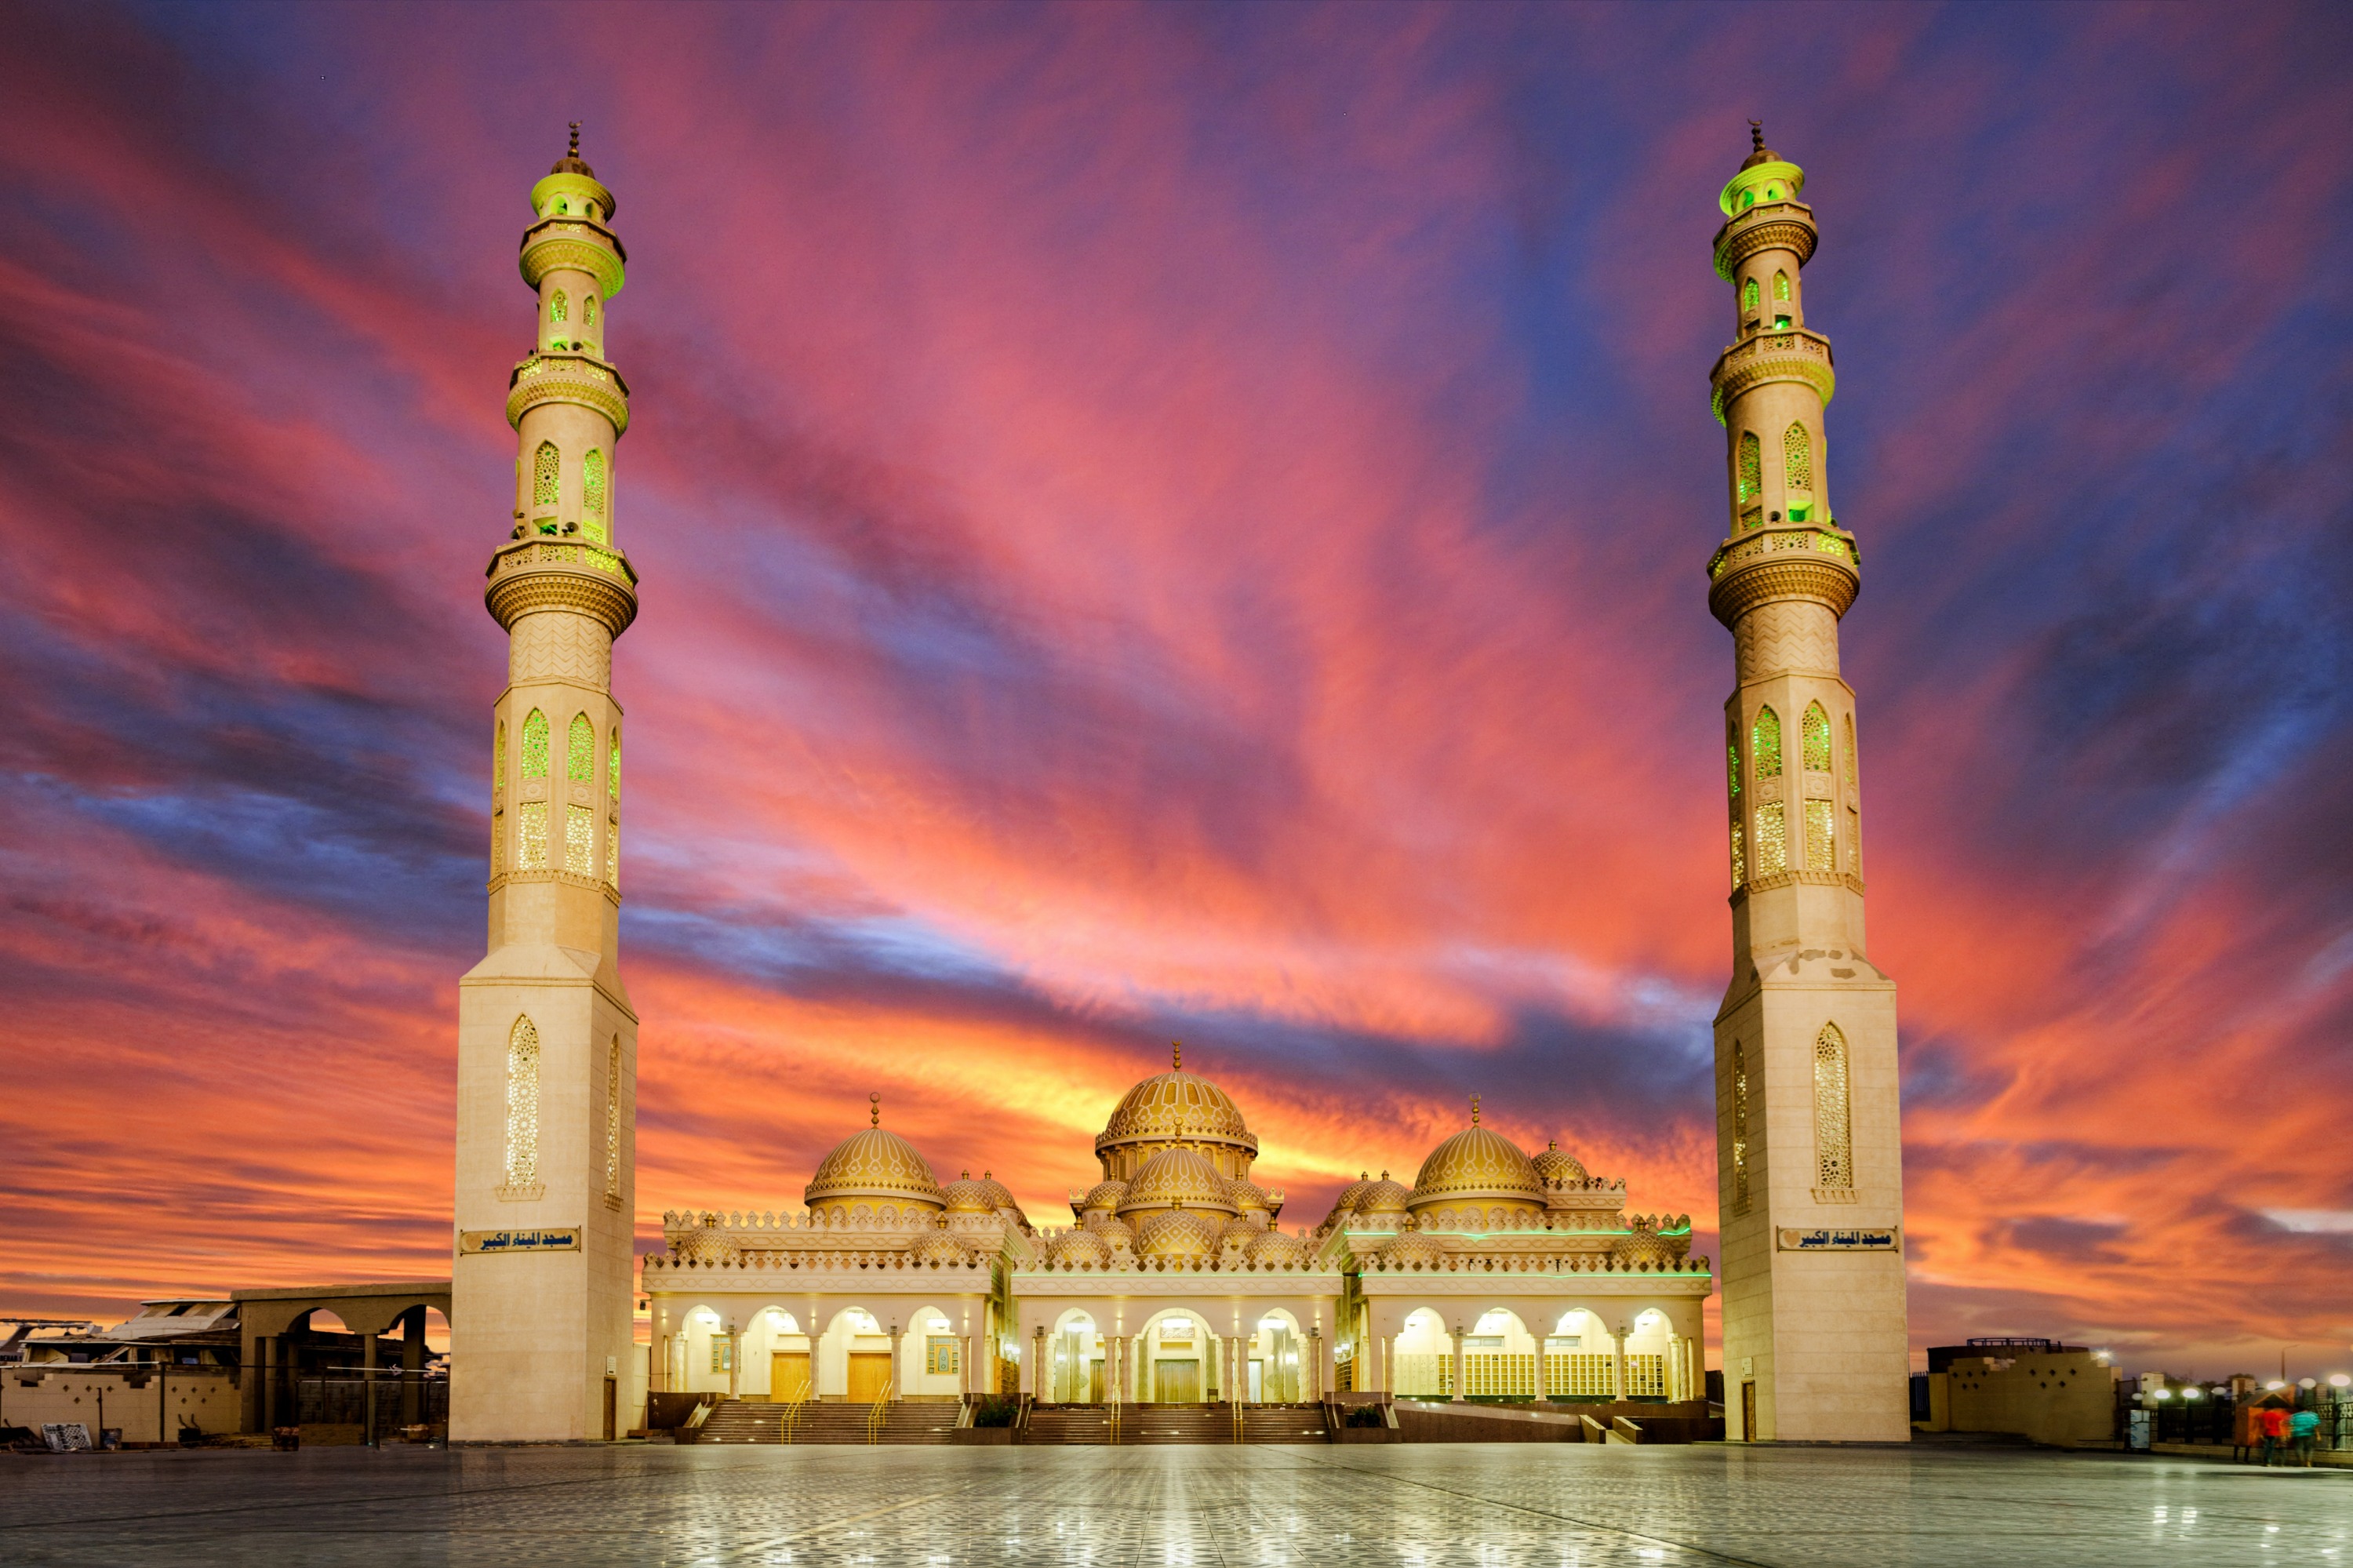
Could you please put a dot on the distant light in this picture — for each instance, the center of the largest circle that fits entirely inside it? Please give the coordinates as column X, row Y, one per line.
column 2309, row 1383
column 2339, row 1380
column 2162, row 1393
column 2193, row 1393
column 2274, row 1385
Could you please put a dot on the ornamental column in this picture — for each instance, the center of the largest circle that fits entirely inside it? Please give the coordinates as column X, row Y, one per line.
column 1807, row 1134
column 546, row 1185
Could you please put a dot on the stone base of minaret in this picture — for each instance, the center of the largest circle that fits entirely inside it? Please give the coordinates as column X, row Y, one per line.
column 1816, row 1342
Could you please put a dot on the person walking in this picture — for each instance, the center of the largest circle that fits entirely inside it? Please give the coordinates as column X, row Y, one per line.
column 2303, row 1428
column 2274, row 1428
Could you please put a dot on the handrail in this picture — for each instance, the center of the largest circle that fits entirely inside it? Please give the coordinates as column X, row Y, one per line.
column 874, row 1416
column 1242, row 1431
column 792, row 1414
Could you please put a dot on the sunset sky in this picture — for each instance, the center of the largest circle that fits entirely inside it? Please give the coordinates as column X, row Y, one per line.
column 1185, row 522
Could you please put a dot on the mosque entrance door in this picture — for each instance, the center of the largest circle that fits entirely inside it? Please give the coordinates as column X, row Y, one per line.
column 870, row 1375
column 789, row 1376
column 1178, row 1382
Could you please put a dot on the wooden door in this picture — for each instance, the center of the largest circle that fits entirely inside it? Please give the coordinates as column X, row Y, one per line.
column 1748, row 1412
column 1178, row 1382
column 789, row 1376
column 870, row 1375
column 612, row 1408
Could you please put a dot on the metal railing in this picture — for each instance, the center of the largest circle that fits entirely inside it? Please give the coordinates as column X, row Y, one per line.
column 791, row 1417
column 881, row 1407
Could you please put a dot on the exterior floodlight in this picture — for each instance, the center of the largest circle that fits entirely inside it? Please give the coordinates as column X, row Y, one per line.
column 2274, row 1386
column 2339, row 1380
column 2162, row 1393
column 2309, row 1383
column 2193, row 1393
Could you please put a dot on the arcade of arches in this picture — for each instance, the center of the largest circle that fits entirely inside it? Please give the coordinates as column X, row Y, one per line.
column 1496, row 1276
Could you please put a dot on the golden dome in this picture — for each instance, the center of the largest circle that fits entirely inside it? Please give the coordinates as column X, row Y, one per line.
column 939, row 1248
column 1176, row 1178
column 876, row 1165
column 966, row 1196
column 1476, row 1163
column 1383, row 1197
column 1172, row 1103
column 1276, row 1248
column 1248, row 1195
column 1411, row 1249
column 1177, row 1235
column 1104, row 1195
column 1107, row 1228
column 707, row 1242
column 1554, row 1166
column 998, row 1193
column 1346, row 1203
column 1077, row 1247
column 1643, row 1246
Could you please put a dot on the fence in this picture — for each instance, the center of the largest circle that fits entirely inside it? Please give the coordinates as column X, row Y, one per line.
column 343, row 1402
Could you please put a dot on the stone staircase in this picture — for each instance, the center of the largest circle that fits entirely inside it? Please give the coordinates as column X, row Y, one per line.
column 908, row 1420
column 1285, row 1424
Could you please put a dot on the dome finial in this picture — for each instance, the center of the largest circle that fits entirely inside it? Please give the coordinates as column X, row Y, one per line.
column 1474, row 1110
column 1756, row 134
column 1176, row 1056
column 574, row 151
column 874, row 1110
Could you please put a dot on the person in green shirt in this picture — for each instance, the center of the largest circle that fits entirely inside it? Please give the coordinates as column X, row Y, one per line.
column 2303, row 1429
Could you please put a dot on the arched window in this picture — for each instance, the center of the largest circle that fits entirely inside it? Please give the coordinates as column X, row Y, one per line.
column 1816, row 726
column 535, row 745
column 1780, row 285
column 580, row 840
column 1853, row 788
column 531, row 835
column 1739, row 1129
column 1732, row 782
column 587, row 310
column 613, row 1121
column 1821, row 854
column 1797, row 457
column 522, row 1104
column 1749, row 482
column 1772, row 838
column 558, row 308
column 1765, row 744
column 546, row 468
column 1739, row 853
column 580, row 750
column 613, row 768
column 1833, row 1135
column 592, row 490
column 613, row 855
column 1748, row 296
column 499, row 765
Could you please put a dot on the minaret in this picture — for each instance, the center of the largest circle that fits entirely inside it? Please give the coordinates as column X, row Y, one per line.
column 1810, row 1156
column 547, row 1043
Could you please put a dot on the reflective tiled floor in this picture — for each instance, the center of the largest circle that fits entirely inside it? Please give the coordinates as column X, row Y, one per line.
column 1416, row 1504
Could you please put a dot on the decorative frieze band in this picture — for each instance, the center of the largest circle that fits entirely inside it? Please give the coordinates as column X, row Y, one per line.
column 1765, row 578
column 521, row 585
column 567, row 245
column 1736, row 244
column 569, row 381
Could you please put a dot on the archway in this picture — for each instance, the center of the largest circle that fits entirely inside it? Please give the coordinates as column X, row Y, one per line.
column 931, row 1359
column 1646, row 1356
column 1277, row 1354
column 1178, row 1359
column 1074, row 1361
column 853, row 1358
column 1499, row 1358
column 1424, row 1358
column 778, row 1362
column 1580, row 1358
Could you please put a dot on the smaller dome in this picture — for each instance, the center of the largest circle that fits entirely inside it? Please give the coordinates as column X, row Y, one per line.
column 707, row 1242
column 1643, row 1246
column 1346, row 1203
column 1176, row 1234
column 998, row 1193
column 877, row 1165
column 1107, row 1226
column 1556, row 1168
column 1276, row 1249
column 1104, row 1195
column 1247, row 1195
column 1480, row 1163
column 1411, row 1249
column 1383, row 1197
column 1176, row 1178
column 965, row 1196
column 939, row 1248
column 1076, row 1248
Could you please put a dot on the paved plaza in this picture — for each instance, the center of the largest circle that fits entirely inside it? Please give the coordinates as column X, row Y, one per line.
column 1420, row 1505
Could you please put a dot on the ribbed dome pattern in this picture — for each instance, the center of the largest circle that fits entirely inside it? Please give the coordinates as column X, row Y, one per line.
column 877, row 1165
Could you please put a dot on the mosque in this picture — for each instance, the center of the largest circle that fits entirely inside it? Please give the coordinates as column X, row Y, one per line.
column 1494, row 1275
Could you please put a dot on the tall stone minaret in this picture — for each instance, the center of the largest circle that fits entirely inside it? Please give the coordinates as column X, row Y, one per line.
column 547, row 1043
column 1810, row 1149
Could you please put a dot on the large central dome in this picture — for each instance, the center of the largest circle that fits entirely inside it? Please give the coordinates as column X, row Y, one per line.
column 1175, row 1104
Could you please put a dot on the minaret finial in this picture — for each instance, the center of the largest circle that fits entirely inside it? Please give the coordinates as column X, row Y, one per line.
column 1474, row 1110
column 1756, row 134
column 874, row 1110
column 1176, row 1056
column 575, row 150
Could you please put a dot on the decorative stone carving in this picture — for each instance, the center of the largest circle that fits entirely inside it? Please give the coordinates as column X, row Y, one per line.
column 1787, row 634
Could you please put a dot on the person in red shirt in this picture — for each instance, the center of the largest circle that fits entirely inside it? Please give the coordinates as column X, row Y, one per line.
column 2274, row 1424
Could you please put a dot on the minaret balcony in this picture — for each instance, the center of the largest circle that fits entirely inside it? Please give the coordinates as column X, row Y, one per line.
column 565, row 376
column 578, row 244
column 1784, row 561
column 1785, row 354
column 1768, row 226
column 537, row 573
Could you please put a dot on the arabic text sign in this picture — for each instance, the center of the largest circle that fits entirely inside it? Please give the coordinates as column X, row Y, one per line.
column 567, row 1239
column 1882, row 1239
